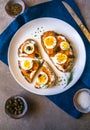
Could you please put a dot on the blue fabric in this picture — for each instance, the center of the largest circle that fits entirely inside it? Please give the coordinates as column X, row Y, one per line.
column 53, row 9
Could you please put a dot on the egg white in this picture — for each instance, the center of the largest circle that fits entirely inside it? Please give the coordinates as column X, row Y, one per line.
column 46, row 78
column 64, row 45
column 26, row 64
column 52, row 40
column 27, row 50
column 62, row 37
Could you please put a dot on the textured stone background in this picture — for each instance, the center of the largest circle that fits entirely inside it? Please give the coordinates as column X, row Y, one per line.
column 42, row 114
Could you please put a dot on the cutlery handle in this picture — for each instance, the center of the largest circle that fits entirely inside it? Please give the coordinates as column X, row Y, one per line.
column 85, row 31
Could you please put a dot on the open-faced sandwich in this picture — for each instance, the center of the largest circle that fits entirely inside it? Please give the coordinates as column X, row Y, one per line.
column 58, row 49
column 46, row 77
column 29, row 48
column 30, row 59
column 29, row 68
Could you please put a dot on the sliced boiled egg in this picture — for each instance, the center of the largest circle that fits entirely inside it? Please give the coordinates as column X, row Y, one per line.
column 26, row 64
column 42, row 78
column 60, row 58
column 29, row 48
column 50, row 42
column 64, row 45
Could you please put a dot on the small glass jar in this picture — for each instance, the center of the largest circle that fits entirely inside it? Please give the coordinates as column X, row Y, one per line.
column 15, row 7
column 16, row 106
column 82, row 100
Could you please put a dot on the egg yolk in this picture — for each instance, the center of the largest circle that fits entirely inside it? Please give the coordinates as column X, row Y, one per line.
column 50, row 41
column 64, row 45
column 61, row 58
column 26, row 65
column 42, row 78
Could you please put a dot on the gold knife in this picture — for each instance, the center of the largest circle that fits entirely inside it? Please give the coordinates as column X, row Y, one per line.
column 78, row 21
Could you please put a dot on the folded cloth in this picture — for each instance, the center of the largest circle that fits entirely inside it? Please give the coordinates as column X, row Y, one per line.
column 53, row 9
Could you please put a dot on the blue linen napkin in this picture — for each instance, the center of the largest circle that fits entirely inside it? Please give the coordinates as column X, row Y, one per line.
column 53, row 9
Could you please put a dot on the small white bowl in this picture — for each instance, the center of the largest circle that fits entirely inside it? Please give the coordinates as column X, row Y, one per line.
column 15, row 7
column 80, row 102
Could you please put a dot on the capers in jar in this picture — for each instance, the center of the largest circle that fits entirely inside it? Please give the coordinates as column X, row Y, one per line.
column 15, row 106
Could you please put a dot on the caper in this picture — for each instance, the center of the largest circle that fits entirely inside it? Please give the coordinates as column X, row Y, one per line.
column 29, row 48
column 36, row 55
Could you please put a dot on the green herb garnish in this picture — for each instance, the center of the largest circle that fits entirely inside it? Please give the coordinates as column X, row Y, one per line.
column 56, row 49
column 70, row 78
column 39, row 62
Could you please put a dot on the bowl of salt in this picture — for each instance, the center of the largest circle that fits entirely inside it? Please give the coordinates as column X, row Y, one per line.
column 82, row 100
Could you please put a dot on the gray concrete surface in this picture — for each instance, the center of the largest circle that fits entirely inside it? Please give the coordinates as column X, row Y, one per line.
column 42, row 114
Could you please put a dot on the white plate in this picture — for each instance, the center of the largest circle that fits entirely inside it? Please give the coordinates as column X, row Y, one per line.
column 34, row 29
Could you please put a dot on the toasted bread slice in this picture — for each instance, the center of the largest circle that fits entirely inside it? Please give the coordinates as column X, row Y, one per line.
column 46, row 77
column 29, row 68
column 59, row 50
column 29, row 59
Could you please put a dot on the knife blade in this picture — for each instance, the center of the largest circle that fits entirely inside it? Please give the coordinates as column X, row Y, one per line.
column 77, row 20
